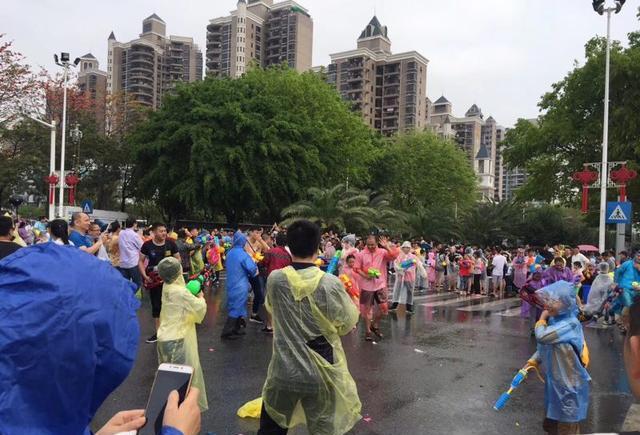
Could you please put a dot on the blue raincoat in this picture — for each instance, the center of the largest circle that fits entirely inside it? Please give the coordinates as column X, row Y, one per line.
column 240, row 266
column 564, row 356
column 624, row 276
column 68, row 337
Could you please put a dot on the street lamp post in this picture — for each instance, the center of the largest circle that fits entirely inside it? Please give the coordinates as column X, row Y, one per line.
column 52, row 162
column 63, row 61
column 599, row 7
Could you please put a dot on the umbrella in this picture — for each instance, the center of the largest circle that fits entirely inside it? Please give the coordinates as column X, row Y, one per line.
column 588, row 248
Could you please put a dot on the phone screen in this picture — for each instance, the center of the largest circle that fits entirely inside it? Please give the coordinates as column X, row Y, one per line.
column 165, row 382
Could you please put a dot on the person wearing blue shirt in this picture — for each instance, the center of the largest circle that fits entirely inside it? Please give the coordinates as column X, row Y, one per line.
column 80, row 224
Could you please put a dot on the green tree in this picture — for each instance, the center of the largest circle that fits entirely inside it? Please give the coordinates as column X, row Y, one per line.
column 427, row 177
column 248, row 147
column 490, row 223
column 569, row 131
column 340, row 209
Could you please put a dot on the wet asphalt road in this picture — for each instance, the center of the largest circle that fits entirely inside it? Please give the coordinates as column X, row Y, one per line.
column 436, row 372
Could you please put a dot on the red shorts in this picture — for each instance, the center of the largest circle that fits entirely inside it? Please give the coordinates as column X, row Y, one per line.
column 369, row 299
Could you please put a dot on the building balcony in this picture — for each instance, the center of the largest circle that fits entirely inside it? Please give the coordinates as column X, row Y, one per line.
column 141, row 59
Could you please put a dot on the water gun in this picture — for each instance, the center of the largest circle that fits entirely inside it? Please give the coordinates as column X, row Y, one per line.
column 195, row 285
column 319, row 262
column 257, row 257
column 406, row 264
column 515, row 383
column 333, row 264
column 227, row 246
column 349, row 287
column 635, row 285
column 373, row 272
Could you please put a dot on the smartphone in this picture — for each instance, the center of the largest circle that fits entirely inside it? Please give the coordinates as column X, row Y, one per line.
column 169, row 377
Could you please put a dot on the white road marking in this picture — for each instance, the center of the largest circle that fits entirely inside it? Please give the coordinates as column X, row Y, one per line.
column 502, row 303
column 460, row 300
column 632, row 421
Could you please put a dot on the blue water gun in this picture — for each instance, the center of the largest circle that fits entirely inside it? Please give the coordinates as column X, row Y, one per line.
column 406, row 264
column 515, row 383
column 333, row 264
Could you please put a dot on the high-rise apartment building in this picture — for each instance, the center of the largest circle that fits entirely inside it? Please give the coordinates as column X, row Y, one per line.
column 146, row 68
column 93, row 83
column 478, row 137
column 260, row 32
column 388, row 89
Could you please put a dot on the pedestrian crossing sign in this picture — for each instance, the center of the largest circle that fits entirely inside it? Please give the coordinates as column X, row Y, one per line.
column 618, row 212
column 87, row 206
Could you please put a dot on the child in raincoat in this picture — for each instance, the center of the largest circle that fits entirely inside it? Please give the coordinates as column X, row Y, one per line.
column 564, row 356
column 599, row 290
column 431, row 270
column 181, row 310
column 406, row 278
column 627, row 276
column 308, row 380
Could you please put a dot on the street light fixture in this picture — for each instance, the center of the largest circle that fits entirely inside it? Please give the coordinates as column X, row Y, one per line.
column 63, row 61
column 600, row 8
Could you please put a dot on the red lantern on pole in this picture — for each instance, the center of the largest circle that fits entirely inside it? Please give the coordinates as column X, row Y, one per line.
column 622, row 176
column 585, row 177
column 53, row 182
column 72, row 181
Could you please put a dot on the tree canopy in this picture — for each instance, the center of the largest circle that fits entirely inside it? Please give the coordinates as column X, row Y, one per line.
column 246, row 148
column 569, row 131
column 339, row 208
column 429, row 178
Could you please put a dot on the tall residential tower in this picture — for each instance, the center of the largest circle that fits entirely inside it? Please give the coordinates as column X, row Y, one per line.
column 478, row 137
column 260, row 32
column 146, row 68
column 388, row 89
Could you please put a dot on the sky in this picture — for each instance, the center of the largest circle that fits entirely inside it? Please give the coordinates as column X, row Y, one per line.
column 502, row 55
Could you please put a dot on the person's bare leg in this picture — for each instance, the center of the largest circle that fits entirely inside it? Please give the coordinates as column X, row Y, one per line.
column 157, row 320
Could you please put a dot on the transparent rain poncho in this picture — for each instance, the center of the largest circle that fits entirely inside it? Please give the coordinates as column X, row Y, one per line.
column 599, row 289
column 177, row 340
column 308, row 379
column 564, row 356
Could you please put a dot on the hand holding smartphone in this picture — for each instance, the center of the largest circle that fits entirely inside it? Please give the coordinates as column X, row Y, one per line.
column 169, row 377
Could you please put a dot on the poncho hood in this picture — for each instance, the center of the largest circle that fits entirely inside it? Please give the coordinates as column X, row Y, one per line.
column 68, row 337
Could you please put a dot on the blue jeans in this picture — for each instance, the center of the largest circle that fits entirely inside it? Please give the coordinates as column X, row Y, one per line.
column 132, row 274
column 257, row 285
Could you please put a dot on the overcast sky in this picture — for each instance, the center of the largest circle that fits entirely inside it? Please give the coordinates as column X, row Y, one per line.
column 500, row 54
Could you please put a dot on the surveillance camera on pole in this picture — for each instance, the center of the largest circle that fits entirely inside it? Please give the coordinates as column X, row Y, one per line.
column 600, row 7
column 63, row 61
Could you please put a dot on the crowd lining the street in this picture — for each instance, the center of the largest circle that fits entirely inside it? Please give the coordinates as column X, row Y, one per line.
column 310, row 288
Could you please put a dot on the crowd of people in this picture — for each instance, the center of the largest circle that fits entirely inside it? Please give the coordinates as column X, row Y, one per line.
column 310, row 288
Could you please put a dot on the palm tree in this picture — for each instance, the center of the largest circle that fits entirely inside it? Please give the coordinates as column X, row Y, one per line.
column 490, row 223
column 341, row 209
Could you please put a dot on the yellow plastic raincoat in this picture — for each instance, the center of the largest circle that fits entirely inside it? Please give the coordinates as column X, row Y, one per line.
column 308, row 379
column 177, row 340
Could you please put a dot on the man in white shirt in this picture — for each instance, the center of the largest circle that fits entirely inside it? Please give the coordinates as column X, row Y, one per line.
column 578, row 256
column 497, row 275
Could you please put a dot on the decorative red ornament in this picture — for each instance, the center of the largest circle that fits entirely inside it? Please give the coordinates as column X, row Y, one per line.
column 622, row 176
column 72, row 181
column 53, row 181
column 585, row 177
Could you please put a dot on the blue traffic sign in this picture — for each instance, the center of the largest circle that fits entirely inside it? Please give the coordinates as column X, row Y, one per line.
column 618, row 212
column 87, row 206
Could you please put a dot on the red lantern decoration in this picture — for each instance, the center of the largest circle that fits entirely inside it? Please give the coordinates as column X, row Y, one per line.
column 622, row 176
column 585, row 177
column 53, row 181
column 72, row 181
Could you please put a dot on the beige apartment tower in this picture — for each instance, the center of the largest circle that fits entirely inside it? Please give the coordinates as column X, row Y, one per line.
column 388, row 89
column 478, row 137
column 146, row 68
column 262, row 33
column 93, row 83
